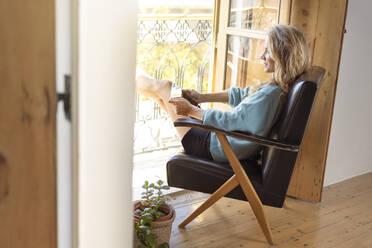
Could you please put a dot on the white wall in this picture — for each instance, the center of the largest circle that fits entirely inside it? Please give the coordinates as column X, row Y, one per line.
column 350, row 148
column 106, row 110
column 64, row 157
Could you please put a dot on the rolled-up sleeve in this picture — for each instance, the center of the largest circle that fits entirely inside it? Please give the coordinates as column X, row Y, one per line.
column 252, row 114
column 237, row 94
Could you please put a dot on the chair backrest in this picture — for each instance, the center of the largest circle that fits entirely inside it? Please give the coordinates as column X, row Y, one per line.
column 277, row 165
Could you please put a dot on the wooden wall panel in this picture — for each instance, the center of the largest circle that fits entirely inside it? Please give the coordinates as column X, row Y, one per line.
column 326, row 32
column 28, row 209
column 285, row 11
column 304, row 15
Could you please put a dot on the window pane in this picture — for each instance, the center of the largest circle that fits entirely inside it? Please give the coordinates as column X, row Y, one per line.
column 253, row 14
column 243, row 62
column 173, row 42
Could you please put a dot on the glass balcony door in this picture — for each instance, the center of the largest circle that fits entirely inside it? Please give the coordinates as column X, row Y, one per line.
column 241, row 35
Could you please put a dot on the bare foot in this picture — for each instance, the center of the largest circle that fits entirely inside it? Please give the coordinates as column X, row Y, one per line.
column 160, row 91
column 153, row 88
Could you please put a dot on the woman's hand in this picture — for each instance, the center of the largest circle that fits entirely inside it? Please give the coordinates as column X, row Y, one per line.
column 183, row 107
column 193, row 95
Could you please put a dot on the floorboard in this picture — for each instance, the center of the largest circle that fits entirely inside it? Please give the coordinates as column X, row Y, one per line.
column 343, row 219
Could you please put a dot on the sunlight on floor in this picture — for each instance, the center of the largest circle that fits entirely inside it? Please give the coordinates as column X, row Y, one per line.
column 151, row 166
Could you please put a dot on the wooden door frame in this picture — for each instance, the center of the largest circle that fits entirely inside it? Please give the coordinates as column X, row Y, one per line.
column 75, row 122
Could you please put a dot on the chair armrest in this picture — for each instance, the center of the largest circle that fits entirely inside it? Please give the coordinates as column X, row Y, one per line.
column 239, row 135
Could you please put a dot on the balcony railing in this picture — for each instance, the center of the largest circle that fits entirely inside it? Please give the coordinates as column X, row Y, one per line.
column 177, row 48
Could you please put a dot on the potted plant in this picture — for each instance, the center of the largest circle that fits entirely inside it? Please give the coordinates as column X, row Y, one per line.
column 153, row 218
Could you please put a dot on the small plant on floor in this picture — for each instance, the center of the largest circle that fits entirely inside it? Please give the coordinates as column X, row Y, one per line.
column 153, row 198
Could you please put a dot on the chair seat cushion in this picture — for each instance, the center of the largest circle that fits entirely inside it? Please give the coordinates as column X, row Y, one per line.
column 202, row 175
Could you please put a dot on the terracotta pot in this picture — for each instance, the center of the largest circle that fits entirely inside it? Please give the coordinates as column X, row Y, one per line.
column 162, row 227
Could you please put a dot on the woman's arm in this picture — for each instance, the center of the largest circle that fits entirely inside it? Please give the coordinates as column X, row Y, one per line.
column 254, row 115
column 207, row 97
column 184, row 108
column 222, row 96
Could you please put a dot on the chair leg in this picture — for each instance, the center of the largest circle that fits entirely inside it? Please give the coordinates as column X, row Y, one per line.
column 220, row 192
column 247, row 188
column 285, row 204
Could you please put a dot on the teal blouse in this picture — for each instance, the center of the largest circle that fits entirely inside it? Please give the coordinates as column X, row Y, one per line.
column 251, row 113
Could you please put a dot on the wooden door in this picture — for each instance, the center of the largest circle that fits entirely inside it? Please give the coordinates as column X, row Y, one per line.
column 324, row 32
column 28, row 214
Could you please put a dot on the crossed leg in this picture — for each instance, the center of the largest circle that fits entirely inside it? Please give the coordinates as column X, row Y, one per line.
column 160, row 91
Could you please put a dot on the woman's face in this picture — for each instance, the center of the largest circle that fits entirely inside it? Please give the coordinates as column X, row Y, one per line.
column 269, row 64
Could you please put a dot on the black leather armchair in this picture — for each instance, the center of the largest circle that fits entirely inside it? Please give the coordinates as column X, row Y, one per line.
column 258, row 181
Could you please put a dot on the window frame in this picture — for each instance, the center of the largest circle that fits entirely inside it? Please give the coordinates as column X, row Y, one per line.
column 222, row 31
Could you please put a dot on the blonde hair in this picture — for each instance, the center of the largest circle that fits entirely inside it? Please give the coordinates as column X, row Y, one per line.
column 288, row 48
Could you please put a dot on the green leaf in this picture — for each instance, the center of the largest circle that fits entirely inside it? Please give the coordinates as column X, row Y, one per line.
column 145, row 185
column 160, row 182
column 159, row 214
column 143, row 228
column 138, row 212
column 151, row 239
column 145, row 222
column 141, row 238
column 148, row 210
column 136, row 225
column 163, row 245
column 147, row 217
column 141, row 246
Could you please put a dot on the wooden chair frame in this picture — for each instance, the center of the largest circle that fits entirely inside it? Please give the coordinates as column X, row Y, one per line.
column 239, row 177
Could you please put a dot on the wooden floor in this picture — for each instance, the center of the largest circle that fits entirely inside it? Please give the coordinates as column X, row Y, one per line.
column 343, row 219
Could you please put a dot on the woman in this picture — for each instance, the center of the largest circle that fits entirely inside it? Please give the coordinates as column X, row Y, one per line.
column 255, row 109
